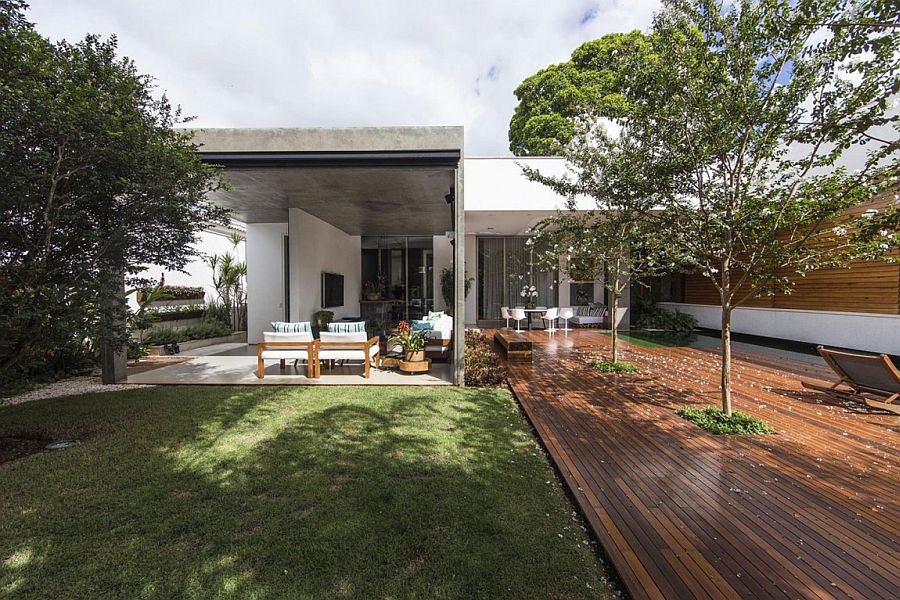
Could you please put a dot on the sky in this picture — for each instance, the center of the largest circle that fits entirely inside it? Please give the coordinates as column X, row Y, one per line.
column 328, row 63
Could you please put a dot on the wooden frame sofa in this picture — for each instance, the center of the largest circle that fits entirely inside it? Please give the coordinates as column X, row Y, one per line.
column 286, row 346
column 347, row 346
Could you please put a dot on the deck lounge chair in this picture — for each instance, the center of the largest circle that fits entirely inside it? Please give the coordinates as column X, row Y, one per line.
column 872, row 378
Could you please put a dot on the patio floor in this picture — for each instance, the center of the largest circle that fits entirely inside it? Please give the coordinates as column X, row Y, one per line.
column 810, row 512
column 235, row 364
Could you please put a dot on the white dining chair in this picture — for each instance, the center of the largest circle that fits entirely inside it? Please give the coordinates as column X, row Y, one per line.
column 518, row 315
column 550, row 317
column 504, row 314
column 565, row 314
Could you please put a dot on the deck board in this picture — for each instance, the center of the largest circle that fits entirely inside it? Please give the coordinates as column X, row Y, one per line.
column 810, row 512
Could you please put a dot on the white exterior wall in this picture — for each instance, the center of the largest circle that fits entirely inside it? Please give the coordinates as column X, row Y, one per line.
column 859, row 331
column 265, row 277
column 316, row 246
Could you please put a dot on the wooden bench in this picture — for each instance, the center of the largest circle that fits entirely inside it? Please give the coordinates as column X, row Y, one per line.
column 516, row 346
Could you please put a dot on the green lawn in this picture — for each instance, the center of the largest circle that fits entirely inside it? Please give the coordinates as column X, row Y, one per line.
column 653, row 339
column 301, row 492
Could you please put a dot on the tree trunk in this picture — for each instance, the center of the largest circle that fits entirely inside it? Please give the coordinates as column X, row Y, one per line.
column 614, row 321
column 726, row 360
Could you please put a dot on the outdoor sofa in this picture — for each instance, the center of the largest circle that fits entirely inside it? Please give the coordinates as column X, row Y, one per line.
column 591, row 315
column 294, row 341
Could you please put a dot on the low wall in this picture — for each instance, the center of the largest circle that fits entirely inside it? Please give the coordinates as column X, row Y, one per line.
column 860, row 331
column 235, row 338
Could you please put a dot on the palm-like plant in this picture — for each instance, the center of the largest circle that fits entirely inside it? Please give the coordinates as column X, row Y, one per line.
column 229, row 280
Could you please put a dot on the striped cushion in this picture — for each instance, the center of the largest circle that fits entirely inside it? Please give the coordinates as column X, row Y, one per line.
column 347, row 327
column 298, row 327
column 422, row 325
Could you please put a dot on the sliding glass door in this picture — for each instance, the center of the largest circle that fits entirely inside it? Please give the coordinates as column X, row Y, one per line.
column 505, row 265
column 404, row 266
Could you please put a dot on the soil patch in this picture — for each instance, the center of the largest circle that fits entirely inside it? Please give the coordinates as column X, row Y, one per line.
column 19, row 446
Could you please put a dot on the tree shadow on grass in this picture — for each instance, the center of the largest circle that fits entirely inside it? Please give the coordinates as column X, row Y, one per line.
column 338, row 492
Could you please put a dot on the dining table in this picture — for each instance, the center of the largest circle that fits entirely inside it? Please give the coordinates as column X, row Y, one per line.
column 529, row 312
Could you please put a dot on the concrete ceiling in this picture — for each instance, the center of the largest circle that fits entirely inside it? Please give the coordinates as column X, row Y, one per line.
column 358, row 200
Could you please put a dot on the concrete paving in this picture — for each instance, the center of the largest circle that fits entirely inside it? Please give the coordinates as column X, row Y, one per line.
column 235, row 364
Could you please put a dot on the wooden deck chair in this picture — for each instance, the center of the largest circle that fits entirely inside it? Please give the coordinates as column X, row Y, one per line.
column 872, row 378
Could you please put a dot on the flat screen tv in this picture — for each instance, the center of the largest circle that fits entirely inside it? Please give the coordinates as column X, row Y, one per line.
column 332, row 290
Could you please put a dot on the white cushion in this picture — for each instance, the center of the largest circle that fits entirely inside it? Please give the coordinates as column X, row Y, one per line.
column 331, row 337
column 354, row 352
column 442, row 330
column 284, row 354
column 275, row 336
column 340, row 354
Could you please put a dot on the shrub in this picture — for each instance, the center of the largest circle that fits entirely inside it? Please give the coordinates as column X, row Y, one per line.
column 217, row 311
column 484, row 368
column 174, row 292
column 322, row 318
column 713, row 420
column 161, row 336
column 200, row 331
column 677, row 323
column 609, row 366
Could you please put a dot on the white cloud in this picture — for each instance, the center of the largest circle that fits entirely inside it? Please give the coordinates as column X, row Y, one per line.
column 340, row 63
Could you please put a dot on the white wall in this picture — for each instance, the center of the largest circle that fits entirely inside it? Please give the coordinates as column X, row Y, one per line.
column 316, row 246
column 859, row 331
column 265, row 277
column 494, row 184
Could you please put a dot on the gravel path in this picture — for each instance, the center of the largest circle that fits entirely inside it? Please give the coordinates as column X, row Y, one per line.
column 87, row 384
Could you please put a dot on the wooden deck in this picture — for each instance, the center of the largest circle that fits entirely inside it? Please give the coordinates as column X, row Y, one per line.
column 810, row 512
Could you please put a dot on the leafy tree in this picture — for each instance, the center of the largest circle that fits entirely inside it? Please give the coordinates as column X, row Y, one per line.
column 591, row 81
column 756, row 103
column 94, row 182
column 620, row 237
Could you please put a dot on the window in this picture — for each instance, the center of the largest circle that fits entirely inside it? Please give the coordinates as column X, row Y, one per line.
column 505, row 265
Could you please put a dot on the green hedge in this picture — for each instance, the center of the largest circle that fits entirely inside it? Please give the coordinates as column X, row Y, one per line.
column 201, row 331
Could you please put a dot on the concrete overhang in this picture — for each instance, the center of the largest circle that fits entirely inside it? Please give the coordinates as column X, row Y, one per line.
column 365, row 181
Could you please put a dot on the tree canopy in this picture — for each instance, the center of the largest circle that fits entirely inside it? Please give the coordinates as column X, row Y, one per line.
column 590, row 82
column 96, row 182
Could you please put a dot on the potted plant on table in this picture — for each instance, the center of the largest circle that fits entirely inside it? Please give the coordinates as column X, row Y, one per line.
column 412, row 342
column 529, row 294
column 373, row 290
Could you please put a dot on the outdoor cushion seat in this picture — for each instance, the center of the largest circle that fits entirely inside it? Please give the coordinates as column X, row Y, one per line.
column 589, row 316
column 346, row 346
column 438, row 338
column 283, row 346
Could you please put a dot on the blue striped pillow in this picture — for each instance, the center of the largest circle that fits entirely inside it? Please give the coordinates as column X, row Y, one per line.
column 298, row 327
column 347, row 327
column 422, row 325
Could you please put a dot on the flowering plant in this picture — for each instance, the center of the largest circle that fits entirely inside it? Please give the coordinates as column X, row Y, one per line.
column 408, row 338
column 529, row 293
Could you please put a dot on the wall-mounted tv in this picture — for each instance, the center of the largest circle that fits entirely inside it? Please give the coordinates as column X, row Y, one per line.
column 332, row 290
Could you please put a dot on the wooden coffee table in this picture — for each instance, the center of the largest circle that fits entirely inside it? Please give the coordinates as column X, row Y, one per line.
column 417, row 366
